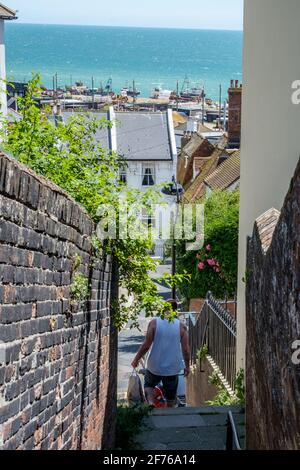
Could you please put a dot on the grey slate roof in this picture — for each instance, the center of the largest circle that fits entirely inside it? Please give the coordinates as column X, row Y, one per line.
column 140, row 136
column 143, row 136
column 102, row 134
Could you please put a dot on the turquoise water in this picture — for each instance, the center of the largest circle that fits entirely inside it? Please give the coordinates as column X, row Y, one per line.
column 150, row 56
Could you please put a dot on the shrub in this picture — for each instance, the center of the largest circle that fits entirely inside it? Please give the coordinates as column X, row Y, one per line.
column 129, row 423
column 214, row 268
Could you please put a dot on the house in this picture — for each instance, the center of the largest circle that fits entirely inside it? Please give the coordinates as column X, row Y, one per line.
column 197, row 189
column 146, row 141
column 15, row 90
column 268, row 322
column 5, row 14
column 195, row 152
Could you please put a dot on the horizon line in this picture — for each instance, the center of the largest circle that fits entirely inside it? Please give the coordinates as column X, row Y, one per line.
column 125, row 26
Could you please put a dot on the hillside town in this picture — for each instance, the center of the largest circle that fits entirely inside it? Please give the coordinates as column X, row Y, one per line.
column 77, row 311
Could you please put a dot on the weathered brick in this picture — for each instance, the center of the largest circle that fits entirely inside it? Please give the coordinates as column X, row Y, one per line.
column 47, row 373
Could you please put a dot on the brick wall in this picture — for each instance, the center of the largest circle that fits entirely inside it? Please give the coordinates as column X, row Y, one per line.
column 234, row 115
column 57, row 359
column 273, row 325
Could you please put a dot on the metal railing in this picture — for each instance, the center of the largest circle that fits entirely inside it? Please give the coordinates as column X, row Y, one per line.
column 215, row 328
column 232, row 438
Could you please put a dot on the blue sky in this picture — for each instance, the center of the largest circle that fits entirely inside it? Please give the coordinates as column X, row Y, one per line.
column 203, row 14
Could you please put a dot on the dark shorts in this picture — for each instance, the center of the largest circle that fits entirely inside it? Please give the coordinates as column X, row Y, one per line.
column 170, row 384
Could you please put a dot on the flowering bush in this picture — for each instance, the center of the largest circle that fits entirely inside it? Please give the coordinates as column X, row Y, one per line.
column 214, row 268
column 205, row 262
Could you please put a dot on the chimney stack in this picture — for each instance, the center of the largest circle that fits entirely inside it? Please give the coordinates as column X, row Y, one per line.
column 234, row 114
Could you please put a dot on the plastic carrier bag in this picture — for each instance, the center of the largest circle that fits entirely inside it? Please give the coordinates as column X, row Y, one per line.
column 135, row 392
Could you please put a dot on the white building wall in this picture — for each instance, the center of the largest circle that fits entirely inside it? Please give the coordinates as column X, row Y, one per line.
column 270, row 121
column 163, row 173
column 3, row 96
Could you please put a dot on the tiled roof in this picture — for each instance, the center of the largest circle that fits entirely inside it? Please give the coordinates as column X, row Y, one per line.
column 226, row 173
column 197, row 189
column 7, row 13
column 266, row 225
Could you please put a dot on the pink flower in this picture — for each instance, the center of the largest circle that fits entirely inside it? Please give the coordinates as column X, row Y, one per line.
column 218, row 270
column 201, row 266
column 208, row 248
column 211, row 262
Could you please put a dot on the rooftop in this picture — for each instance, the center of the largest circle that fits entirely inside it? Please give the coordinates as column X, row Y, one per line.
column 197, row 189
column 140, row 136
column 7, row 13
column 225, row 174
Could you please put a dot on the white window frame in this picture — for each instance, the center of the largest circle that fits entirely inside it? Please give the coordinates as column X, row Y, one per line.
column 145, row 167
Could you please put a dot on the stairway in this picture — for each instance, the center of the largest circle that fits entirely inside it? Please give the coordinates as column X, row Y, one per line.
column 189, row 428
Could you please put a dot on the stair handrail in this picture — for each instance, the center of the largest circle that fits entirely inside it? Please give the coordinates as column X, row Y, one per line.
column 232, row 435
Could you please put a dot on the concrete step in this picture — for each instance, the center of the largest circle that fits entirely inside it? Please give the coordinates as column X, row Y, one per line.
column 189, row 428
column 202, row 410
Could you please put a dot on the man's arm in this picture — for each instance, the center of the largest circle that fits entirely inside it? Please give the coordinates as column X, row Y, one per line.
column 146, row 344
column 185, row 348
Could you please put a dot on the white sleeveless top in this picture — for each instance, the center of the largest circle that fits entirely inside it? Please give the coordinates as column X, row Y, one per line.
column 165, row 358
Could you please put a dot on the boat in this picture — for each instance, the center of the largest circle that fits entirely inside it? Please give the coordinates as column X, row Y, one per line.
column 130, row 91
column 189, row 93
column 158, row 93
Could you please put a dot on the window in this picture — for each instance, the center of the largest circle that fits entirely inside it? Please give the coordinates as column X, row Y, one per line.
column 148, row 219
column 148, row 175
column 123, row 175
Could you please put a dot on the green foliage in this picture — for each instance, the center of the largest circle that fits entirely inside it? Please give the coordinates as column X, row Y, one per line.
column 176, row 279
column 240, row 387
column 223, row 397
column 76, row 262
column 221, row 238
column 129, row 423
column 202, row 353
column 70, row 156
column 79, row 289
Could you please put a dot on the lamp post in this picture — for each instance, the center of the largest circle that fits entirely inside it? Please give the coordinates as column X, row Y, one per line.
column 176, row 190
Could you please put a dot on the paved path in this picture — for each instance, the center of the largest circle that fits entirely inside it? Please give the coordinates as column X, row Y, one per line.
column 189, row 428
column 131, row 339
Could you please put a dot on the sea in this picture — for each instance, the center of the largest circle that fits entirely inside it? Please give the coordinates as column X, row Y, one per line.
column 150, row 56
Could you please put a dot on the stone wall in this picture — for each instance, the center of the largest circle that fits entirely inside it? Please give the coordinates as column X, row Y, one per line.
column 273, row 325
column 57, row 356
column 199, row 390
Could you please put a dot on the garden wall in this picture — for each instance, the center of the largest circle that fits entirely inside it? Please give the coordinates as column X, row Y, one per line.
column 273, row 327
column 57, row 357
